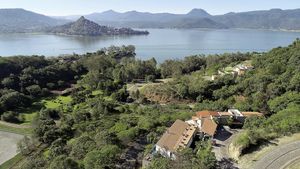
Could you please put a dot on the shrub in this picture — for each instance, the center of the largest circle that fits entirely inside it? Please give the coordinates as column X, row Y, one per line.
column 11, row 116
column 150, row 78
column 34, row 90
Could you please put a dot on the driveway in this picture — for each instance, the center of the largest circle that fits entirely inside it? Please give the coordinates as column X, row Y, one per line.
column 224, row 137
column 280, row 157
column 8, row 145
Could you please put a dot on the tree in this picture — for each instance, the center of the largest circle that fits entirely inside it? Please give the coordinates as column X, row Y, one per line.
column 121, row 95
column 57, row 148
column 27, row 145
column 35, row 162
column 150, row 78
column 63, row 162
column 81, row 146
column 171, row 68
column 280, row 103
column 205, row 155
column 11, row 82
column 14, row 99
column 160, row 163
column 104, row 158
column 46, row 130
column 11, row 116
column 34, row 90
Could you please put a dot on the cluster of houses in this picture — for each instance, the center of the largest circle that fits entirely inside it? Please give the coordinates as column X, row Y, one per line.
column 235, row 71
column 203, row 125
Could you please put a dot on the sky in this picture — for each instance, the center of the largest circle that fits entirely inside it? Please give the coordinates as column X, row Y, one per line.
column 80, row 7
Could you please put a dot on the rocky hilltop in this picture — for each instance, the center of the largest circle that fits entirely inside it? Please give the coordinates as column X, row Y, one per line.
column 85, row 27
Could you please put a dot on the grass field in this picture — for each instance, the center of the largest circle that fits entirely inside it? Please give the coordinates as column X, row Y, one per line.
column 29, row 112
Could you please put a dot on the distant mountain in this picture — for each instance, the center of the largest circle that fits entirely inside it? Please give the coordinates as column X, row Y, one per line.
column 130, row 16
column 197, row 18
column 198, row 13
column 267, row 19
column 20, row 20
column 85, row 27
column 191, row 23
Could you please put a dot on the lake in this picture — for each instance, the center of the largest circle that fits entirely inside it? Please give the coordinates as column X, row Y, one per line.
column 160, row 43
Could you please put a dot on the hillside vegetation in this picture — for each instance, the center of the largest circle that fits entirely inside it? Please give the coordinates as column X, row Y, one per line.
column 104, row 126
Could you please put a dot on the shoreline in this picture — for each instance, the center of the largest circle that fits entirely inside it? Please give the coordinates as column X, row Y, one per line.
column 62, row 34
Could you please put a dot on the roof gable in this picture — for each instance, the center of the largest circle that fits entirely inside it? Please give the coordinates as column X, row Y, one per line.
column 209, row 126
column 173, row 137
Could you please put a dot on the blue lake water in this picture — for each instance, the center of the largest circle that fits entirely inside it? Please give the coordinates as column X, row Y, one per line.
column 160, row 43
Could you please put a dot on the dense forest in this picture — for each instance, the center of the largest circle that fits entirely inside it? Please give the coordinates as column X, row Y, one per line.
column 106, row 126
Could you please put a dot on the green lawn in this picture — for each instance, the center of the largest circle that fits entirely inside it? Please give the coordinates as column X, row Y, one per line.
column 52, row 102
column 10, row 163
column 30, row 112
column 56, row 102
column 29, row 117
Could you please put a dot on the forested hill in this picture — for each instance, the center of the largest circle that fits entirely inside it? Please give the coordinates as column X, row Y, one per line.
column 85, row 27
column 106, row 126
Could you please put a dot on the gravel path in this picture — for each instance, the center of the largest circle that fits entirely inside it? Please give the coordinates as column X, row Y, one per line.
column 8, row 145
column 278, row 158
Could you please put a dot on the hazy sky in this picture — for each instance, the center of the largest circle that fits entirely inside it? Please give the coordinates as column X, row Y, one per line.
column 70, row 7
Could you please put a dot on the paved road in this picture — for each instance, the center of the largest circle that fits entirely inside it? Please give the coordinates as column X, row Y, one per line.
column 278, row 158
column 8, row 145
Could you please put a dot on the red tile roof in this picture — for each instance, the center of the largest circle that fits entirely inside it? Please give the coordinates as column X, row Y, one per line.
column 209, row 126
column 177, row 135
column 206, row 113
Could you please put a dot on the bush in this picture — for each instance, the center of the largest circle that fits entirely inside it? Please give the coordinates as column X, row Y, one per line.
column 14, row 100
column 34, row 90
column 11, row 116
column 150, row 78
column 50, row 113
column 104, row 158
column 50, row 85
column 27, row 145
